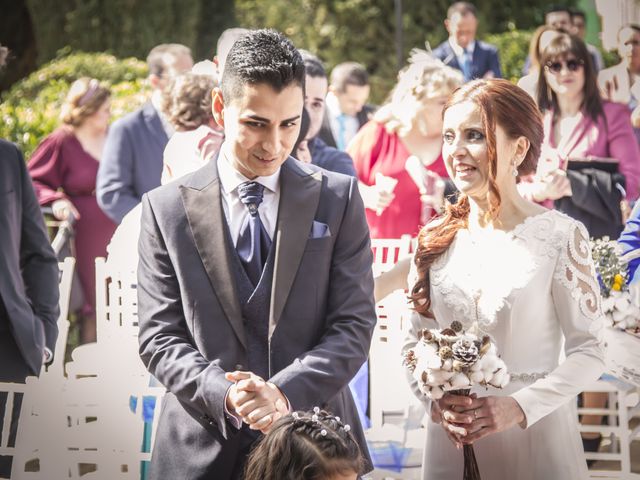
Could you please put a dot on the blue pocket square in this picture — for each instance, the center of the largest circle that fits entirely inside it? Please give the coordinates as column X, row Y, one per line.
column 319, row 230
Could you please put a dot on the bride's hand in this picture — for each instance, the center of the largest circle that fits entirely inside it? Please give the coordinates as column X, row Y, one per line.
column 493, row 415
column 452, row 413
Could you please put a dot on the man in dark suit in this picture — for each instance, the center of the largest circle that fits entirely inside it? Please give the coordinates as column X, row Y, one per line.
column 132, row 160
column 475, row 59
column 346, row 105
column 315, row 92
column 254, row 282
column 28, row 281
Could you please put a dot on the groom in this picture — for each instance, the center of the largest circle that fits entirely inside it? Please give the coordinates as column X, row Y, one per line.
column 255, row 285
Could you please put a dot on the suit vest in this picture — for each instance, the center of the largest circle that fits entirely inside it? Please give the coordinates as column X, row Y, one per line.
column 255, row 305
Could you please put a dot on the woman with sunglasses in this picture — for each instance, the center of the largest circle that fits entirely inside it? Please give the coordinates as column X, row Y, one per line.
column 590, row 159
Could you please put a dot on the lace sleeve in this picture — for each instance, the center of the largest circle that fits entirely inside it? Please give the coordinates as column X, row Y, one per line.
column 576, row 301
column 576, row 271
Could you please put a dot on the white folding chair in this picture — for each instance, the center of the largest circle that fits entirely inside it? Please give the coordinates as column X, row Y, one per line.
column 387, row 252
column 10, row 394
column 393, row 404
column 623, row 405
column 117, row 327
column 66, row 276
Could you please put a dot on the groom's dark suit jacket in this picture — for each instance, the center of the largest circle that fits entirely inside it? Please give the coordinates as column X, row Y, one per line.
column 191, row 328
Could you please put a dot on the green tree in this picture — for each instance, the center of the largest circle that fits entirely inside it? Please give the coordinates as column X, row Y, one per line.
column 364, row 30
column 30, row 110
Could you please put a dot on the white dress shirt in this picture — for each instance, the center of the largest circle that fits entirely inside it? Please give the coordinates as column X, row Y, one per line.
column 351, row 124
column 234, row 210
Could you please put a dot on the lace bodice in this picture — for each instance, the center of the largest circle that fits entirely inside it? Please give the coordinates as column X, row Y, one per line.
column 534, row 290
column 483, row 274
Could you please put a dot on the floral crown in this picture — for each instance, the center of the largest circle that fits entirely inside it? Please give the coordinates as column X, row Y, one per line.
column 319, row 420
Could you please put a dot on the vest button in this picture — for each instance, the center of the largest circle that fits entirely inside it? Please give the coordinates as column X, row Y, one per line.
column 239, row 366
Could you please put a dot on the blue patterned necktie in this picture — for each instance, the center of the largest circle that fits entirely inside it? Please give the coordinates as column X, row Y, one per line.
column 253, row 242
column 466, row 65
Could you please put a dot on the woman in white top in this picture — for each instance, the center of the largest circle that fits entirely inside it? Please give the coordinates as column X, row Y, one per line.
column 511, row 269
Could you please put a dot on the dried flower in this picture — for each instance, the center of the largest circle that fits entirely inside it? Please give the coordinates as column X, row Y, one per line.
column 445, row 352
column 456, row 326
column 410, row 360
column 426, row 335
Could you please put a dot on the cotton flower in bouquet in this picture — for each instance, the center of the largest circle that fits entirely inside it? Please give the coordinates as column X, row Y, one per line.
column 451, row 359
column 619, row 305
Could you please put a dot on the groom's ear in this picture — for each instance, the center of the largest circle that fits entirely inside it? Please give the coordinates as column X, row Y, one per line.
column 217, row 106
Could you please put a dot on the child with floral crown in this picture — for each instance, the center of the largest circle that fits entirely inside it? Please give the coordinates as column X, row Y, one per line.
column 306, row 446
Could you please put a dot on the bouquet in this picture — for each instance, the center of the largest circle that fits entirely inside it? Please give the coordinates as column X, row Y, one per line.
column 452, row 360
column 618, row 303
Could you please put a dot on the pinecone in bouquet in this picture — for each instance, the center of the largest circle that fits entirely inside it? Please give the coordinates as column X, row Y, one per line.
column 620, row 301
column 452, row 359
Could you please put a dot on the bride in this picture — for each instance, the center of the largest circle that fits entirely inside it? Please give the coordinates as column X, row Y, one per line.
column 520, row 273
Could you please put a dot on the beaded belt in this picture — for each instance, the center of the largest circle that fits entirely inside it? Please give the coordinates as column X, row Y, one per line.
column 528, row 377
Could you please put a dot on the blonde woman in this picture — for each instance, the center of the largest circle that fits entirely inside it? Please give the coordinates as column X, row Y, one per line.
column 64, row 169
column 404, row 133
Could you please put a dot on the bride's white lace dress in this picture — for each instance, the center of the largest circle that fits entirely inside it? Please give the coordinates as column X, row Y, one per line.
column 534, row 291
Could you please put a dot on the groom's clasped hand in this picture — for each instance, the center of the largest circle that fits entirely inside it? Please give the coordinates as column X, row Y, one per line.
column 257, row 402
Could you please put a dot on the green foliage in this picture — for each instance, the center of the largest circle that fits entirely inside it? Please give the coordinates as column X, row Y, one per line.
column 30, row 110
column 365, row 30
column 128, row 27
column 513, row 48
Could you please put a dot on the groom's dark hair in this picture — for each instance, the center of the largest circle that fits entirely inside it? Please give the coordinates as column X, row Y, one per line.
column 261, row 56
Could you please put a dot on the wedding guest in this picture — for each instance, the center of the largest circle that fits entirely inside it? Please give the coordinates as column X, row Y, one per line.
column 300, row 150
column 589, row 151
column 306, row 446
column 28, row 284
column 225, row 42
column 621, row 83
column 187, row 106
column 132, row 163
column 507, row 267
column 406, row 130
column 578, row 28
column 475, row 59
column 541, row 37
column 630, row 241
column 64, row 169
column 346, row 104
column 315, row 91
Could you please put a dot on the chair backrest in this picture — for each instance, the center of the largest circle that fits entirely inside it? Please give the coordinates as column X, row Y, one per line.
column 390, row 392
column 387, row 252
column 116, row 302
column 10, row 394
column 66, row 276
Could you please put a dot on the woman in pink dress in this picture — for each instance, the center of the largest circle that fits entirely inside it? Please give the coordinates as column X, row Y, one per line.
column 393, row 152
column 64, row 169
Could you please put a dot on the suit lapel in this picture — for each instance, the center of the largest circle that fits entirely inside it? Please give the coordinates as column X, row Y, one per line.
column 203, row 207
column 450, row 57
column 299, row 197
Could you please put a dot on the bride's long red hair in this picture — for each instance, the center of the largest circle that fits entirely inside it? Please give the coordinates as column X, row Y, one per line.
column 501, row 103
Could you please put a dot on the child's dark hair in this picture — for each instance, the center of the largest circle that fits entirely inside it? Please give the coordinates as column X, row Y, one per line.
column 261, row 56
column 305, row 446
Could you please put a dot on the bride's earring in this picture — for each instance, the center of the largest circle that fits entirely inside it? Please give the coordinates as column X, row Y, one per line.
column 515, row 169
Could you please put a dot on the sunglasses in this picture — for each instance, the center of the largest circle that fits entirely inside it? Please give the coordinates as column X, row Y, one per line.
column 572, row 65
